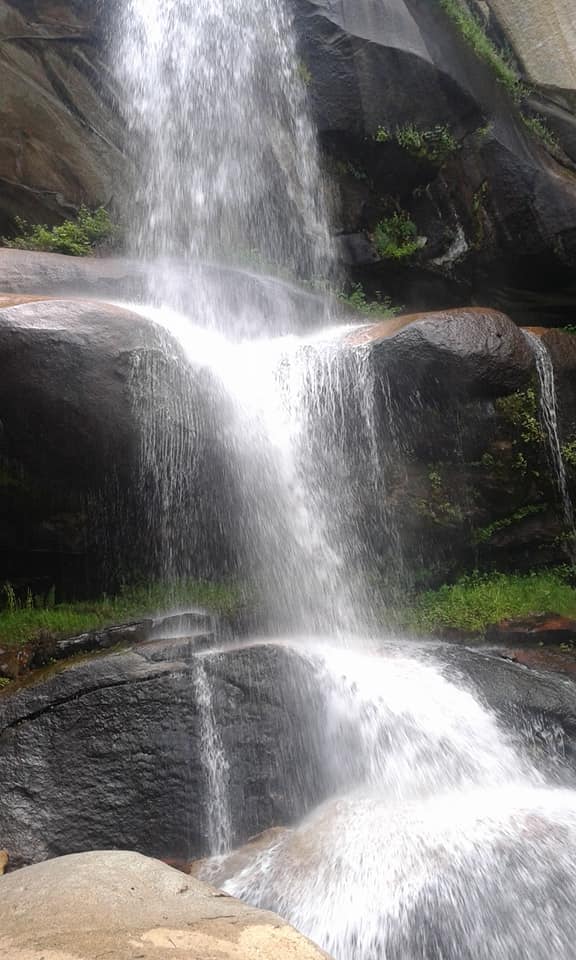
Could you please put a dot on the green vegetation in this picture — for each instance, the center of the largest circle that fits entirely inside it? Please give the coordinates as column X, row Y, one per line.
column 435, row 144
column 304, row 73
column 485, row 534
column 381, row 307
column 537, row 126
column 396, row 237
column 91, row 229
column 521, row 410
column 478, row 600
column 34, row 618
column 475, row 36
column 346, row 168
column 438, row 507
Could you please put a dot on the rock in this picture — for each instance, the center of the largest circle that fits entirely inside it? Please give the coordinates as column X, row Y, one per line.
column 89, row 392
column 498, row 212
column 547, row 628
column 4, row 858
column 121, row 904
column 53, row 73
column 479, row 352
column 134, row 774
column 542, row 35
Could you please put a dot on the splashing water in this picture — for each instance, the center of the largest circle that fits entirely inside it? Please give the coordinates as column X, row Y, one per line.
column 440, row 841
column 549, row 420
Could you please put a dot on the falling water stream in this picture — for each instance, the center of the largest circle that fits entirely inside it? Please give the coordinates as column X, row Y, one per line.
column 440, row 839
column 549, row 420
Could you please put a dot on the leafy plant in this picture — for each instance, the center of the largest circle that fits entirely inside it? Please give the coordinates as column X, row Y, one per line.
column 77, row 238
column 381, row 307
column 435, row 144
column 396, row 237
column 485, row 534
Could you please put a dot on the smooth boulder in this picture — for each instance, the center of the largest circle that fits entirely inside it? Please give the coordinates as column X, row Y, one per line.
column 473, row 351
column 126, row 906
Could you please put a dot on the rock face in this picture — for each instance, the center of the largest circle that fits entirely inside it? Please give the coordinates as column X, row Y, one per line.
column 463, row 458
column 121, row 904
column 114, row 752
column 490, row 208
column 57, row 101
column 496, row 211
column 87, row 391
column 160, row 748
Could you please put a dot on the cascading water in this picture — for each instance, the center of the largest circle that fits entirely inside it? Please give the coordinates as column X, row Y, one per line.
column 549, row 420
column 432, row 844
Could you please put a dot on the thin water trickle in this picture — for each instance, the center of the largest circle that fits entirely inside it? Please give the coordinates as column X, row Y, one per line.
column 217, row 800
column 548, row 404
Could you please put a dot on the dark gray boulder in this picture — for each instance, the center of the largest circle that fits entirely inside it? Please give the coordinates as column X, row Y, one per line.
column 477, row 352
column 112, row 753
column 107, row 448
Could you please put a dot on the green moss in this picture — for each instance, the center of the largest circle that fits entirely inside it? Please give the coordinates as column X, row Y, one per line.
column 434, row 144
column 30, row 618
column 381, row 307
column 478, row 600
column 77, row 238
column 396, row 237
column 475, row 36
column 304, row 73
column 569, row 453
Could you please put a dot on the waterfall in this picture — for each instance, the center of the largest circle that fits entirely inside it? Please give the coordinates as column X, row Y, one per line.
column 224, row 154
column 549, row 420
column 226, row 163
column 439, row 839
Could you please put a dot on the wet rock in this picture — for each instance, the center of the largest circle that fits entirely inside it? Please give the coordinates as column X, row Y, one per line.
column 475, row 351
column 547, row 628
column 112, row 752
column 499, row 212
column 118, row 903
column 88, row 389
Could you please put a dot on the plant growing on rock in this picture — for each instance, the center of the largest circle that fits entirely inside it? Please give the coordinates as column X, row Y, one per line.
column 435, row 144
column 92, row 229
column 381, row 307
column 396, row 237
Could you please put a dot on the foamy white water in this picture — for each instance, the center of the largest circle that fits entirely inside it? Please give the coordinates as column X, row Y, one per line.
column 439, row 843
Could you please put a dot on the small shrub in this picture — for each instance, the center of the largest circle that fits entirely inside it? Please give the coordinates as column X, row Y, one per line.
column 77, row 238
column 435, row 144
column 396, row 237
column 381, row 307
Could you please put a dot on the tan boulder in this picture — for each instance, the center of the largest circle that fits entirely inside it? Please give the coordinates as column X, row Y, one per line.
column 4, row 858
column 127, row 906
column 543, row 36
